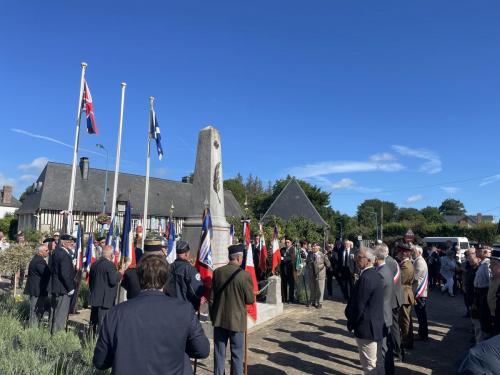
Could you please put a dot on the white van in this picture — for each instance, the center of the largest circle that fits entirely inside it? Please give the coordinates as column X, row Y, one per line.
column 442, row 243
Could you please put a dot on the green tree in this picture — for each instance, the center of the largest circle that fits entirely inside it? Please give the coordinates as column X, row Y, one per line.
column 410, row 214
column 452, row 207
column 432, row 215
column 365, row 211
column 27, row 191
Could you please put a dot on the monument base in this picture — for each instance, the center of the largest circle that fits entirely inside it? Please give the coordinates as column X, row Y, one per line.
column 265, row 312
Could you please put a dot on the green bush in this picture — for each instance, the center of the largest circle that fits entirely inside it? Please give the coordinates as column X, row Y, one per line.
column 10, row 328
column 83, row 295
column 24, row 362
column 63, row 343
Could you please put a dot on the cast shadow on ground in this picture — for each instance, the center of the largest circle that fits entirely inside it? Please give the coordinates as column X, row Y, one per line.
column 317, row 337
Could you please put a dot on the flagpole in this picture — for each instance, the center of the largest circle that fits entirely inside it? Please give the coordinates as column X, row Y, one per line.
column 118, row 149
column 69, row 228
column 148, row 159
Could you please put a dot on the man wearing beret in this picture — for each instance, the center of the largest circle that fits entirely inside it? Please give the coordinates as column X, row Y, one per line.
column 185, row 280
column 63, row 281
column 232, row 290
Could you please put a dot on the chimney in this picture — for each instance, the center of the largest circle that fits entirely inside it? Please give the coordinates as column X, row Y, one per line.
column 479, row 218
column 7, row 194
column 84, row 167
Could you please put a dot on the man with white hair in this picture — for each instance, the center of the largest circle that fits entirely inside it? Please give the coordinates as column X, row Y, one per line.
column 420, row 287
column 4, row 244
column 38, row 284
column 365, row 311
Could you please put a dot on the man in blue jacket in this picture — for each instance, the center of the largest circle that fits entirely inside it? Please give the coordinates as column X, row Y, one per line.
column 365, row 311
column 151, row 333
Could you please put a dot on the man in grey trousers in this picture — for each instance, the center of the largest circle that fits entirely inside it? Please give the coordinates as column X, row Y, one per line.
column 63, row 281
column 37, row 284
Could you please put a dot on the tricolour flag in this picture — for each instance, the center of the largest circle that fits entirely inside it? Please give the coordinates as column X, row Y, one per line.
column 154, row 132
column 113, row 240
column 171, row 248
column 204, row 263
column 250, row 268
column 127, row 250
column 263, row 250
column 275, row 246
column 90, row 257
column 79, row 249
column 88, row 107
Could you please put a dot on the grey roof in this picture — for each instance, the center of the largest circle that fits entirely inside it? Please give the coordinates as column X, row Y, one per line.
column 293, row 202
column 54, row 193
column 471, row 219
column 13, row 202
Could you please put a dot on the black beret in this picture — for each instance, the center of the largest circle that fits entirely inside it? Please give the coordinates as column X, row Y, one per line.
column 182, row 247
column 495, row 254
column 48, row 240
column 234, row 249
column 67, row 237
column 153, row 245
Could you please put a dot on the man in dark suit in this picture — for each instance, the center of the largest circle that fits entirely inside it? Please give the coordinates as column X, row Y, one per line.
column 151, row 333
column 103, row 282
column 397, row 302
column 38, row 284
column 365, row 311
column 345, row 271
column 381, row 252
column 63, row 282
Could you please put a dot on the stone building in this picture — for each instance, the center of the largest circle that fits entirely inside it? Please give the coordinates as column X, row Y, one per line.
column 8, row 204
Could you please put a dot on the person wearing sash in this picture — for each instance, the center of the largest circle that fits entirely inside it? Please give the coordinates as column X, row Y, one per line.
column 420, row 284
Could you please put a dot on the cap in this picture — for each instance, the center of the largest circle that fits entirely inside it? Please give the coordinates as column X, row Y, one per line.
column 67, row 237
column 495, row 254
column 153, row 245
column 182, row 247
column 234, row 249
column 56, row 234
column 48, row 240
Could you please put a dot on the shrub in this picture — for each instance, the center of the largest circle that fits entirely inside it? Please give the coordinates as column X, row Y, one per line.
column 83, row 295
column 10, row 328
column 63, row 343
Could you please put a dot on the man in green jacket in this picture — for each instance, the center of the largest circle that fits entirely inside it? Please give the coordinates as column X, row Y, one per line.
column 232, row 289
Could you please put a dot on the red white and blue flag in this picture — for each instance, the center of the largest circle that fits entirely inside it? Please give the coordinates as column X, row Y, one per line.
column 171, row 244
column 113, row 240
column 250, row 268
column 204, row 263
column 88, row 107
column 231, row 234
column 90, row 256
column 275, row 250
column 79, row 249
column 263, row 250
column 127, row 250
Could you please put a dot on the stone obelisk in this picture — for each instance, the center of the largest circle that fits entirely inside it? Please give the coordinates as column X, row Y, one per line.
column 208, row 190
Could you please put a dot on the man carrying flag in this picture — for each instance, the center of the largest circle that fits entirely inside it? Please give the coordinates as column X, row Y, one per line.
column 232, row 290
column 275, row 251
column 127, row 250
column 90, row 257
column 204, row 262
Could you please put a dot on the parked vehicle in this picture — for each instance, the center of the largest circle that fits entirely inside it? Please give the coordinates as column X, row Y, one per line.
column 443, row 243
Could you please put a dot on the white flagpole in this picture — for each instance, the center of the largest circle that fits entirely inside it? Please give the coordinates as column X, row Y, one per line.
column 146, row 191
column 69, row 228
column 118, row 148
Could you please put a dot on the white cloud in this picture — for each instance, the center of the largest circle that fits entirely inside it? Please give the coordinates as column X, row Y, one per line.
column 432, row 165
column 27, row 178
column 490, row 180
column 343, row 184
column 36, row 165
column 384, row 156
column 414, row 199
column 450, row 189
column 330, row 167
column 161, row 171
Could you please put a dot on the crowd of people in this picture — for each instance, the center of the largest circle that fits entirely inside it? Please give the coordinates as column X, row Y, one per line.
column 380, row 288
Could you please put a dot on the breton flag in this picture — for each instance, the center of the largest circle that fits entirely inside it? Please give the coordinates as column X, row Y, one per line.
column 250, row 268
column 231, row 234
column 275, row 246
column 204, row 263
column 79, row 249
column 90, row 257
column 127, row 250
column 154, row 132
column 88, row 107
column 263, row 250
column 171, row 248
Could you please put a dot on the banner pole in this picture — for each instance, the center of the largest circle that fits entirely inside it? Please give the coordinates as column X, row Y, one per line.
column 146, row 189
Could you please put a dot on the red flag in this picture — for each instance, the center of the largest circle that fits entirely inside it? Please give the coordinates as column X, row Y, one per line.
column 276, row 250
column 250, row 268
column 263, row 250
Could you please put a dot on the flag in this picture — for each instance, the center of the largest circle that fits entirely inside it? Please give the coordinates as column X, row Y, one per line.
column 88, row 107
column 171, row 251
column 90, row 257
column 231, row 234
column 204, row 263
column 127, row 251
column 79, row 249
column 263, row 250
column 275, row 250
column 113, row 240
column 250, row 268
column 154, row 133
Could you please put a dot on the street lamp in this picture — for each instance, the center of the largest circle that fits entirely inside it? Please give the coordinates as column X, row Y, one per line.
column 99, row 145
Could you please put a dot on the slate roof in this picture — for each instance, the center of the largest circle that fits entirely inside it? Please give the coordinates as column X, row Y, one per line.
column 13, row 202
column 470, row 219
column 56, row 178
column 293, row 202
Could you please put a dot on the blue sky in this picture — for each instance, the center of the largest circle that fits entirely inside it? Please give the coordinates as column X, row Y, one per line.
column 394, row 100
